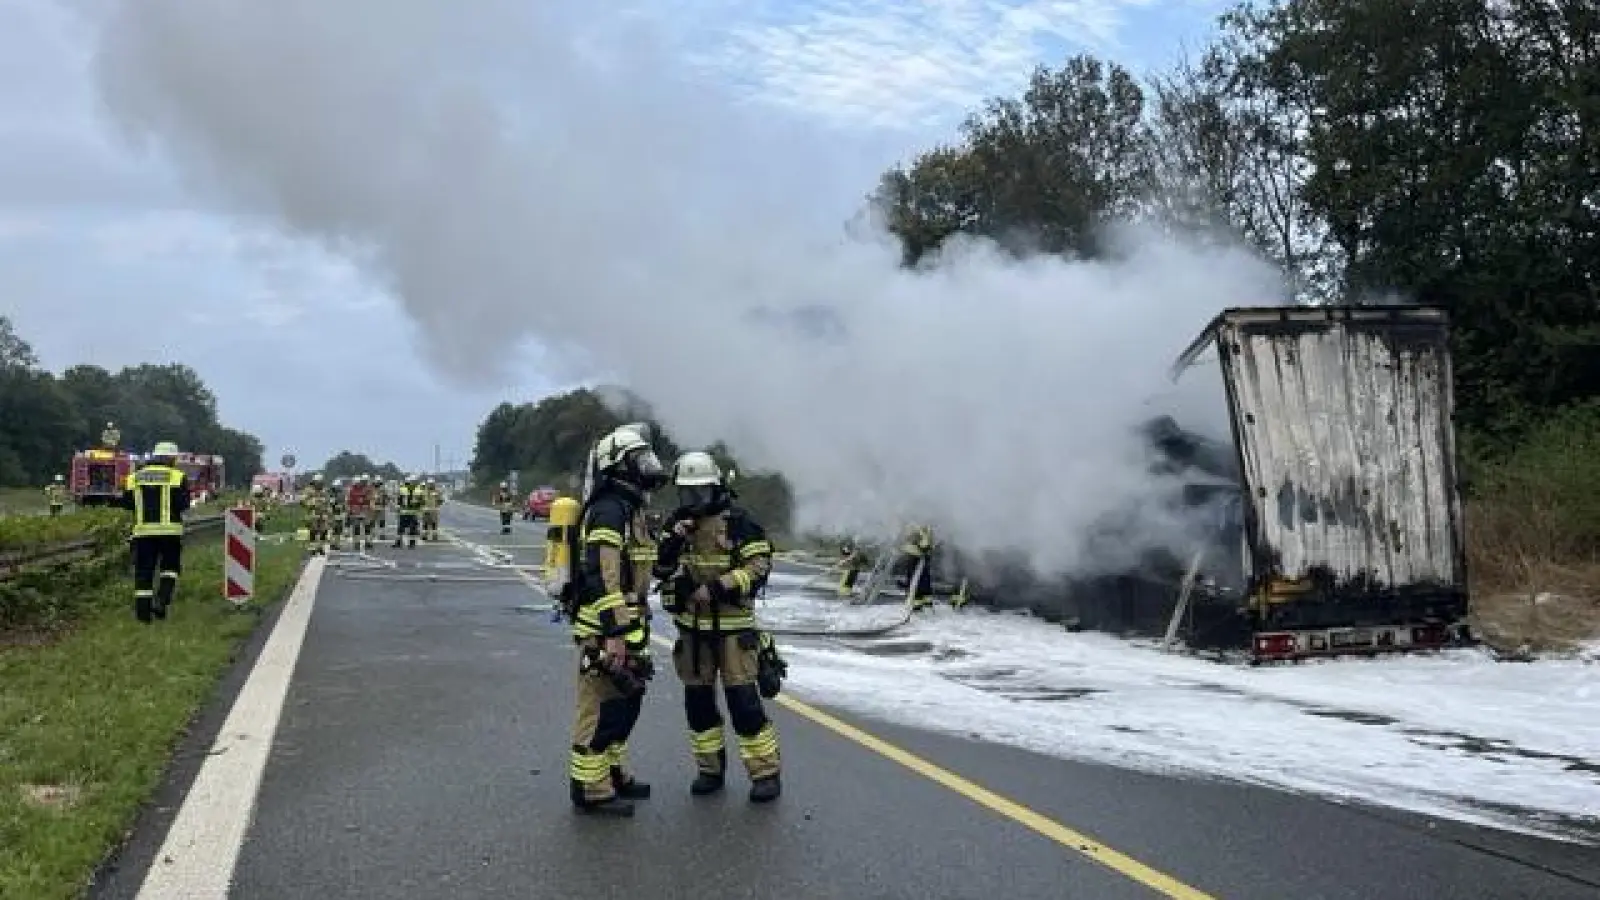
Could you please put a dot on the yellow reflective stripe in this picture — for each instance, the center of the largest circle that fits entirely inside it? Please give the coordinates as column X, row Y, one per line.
column 727, row 622
column 617, row 754
column 608, row 536
column 707, row 742
column 741, row 580
column 755, row 548
column 642, row 555
column 589, row 768
column 762, row 743
column 709, row 559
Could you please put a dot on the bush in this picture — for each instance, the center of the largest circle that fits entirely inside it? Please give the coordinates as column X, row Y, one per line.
column 1533, row 535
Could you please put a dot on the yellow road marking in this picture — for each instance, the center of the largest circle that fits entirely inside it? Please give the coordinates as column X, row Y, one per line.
column 1077, row 841
column 1072, row 839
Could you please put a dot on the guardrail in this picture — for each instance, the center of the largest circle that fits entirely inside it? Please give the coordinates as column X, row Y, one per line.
column 13, row 564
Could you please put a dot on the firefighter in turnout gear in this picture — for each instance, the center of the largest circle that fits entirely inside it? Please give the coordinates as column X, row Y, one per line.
column 158, row 495
column 505, row 503
column 55, row 494
column 358, row 507
column 917, row 553
column 852, row 560
column 714, row 559
column 432, row 499
column 408, row 504
column 336, row 513
column 314, row 500
column 380, row 507
column 110, row 437
column 606, row 601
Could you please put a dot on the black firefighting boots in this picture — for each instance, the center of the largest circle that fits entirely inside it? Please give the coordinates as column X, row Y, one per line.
column 707, row 783
column 765, row 790
column 616, row 805
column 627, row 787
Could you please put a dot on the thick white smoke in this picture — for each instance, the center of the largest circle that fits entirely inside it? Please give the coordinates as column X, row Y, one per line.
column 518, row 174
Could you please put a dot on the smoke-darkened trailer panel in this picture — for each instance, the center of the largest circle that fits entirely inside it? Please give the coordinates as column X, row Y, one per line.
column 1342, row 422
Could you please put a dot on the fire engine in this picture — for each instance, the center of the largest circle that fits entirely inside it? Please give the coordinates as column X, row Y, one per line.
column 98, row 475
column 205, row 473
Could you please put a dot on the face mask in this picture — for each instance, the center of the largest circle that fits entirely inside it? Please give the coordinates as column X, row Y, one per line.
column 648, row 470
column 697, row 496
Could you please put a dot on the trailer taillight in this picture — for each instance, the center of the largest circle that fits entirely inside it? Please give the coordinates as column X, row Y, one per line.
column 1429, row 634
column 1276, row 645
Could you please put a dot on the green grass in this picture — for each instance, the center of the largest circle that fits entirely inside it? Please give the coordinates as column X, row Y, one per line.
column 88, row 722
column 22, row 501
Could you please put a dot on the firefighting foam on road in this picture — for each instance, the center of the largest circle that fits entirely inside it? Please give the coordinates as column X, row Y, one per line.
column 510, row 182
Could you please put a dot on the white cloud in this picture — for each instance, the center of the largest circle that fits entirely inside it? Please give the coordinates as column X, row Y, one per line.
column 906, row 65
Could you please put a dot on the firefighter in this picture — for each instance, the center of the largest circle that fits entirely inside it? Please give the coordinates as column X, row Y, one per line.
column 505, row 502
column 55, row 494
column 408, row 504
column 714, row 559
column 852, row 561
column 606, row 602
column 917, row 553
column 432, row 499
column 358, row 506
column 314, row 500
column 158, row 495
column 380, row 507
column 110, row 437
column 336, row 513
column 258, row 504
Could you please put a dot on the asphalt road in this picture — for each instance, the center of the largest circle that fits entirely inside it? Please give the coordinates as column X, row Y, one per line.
column 422, row 754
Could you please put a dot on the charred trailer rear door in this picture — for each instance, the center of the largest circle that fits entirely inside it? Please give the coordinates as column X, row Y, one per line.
column 1353, row 524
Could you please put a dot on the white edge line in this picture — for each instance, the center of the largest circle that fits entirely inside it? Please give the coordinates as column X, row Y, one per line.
column 197, row 859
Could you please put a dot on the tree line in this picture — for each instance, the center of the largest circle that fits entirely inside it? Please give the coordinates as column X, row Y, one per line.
column 346, row 464
column 1441, row 151
column 46, row 417
column 548, row 442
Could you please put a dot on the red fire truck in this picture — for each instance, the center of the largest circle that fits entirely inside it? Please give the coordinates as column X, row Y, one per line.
column 205, row 473
column 98, row 475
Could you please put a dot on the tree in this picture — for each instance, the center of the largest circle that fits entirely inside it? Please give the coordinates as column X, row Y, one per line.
column 15, row 353
column 1039, row 174
column 549, row 442
column 1454, row 150
column 45, row 418
column 345, row 464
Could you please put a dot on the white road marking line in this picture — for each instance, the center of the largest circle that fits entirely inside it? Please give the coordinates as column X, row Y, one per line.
column 197, row 860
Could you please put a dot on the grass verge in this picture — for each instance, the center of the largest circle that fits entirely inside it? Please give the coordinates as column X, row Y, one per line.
column 22, row 501
column 88, row 722
column 1533, row 538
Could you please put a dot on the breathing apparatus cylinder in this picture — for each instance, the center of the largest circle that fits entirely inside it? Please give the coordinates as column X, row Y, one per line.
column 557, row 558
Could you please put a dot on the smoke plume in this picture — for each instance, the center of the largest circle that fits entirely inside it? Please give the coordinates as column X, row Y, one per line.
column 525, row 175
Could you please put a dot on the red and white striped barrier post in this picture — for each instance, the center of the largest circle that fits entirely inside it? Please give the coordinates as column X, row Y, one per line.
column 239, row 558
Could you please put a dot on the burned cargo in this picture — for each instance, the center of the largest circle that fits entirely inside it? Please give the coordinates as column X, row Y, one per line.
column 1334, row 517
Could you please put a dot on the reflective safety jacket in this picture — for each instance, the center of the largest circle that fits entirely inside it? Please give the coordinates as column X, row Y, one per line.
column 55, row 495
column 410, row 498
column 314, row 500
column 727, row 553
column 613, row 585
column 432, row 499
column 158, row 496
column 504, row 501
column 919, row 541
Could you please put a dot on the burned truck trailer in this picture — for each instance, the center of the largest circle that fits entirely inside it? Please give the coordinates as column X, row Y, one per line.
column 1332, row 520
column 1349, row 512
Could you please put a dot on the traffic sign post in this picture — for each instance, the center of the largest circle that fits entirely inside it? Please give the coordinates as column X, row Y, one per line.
column 239, row 567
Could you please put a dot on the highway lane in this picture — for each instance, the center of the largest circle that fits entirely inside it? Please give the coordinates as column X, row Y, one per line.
column 422, row 753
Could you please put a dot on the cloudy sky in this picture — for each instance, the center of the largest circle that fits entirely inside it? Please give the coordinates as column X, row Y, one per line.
column 108, row 255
